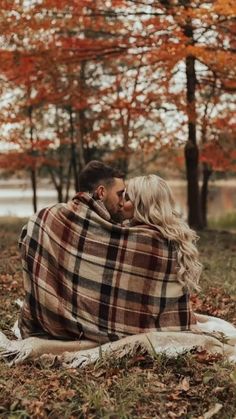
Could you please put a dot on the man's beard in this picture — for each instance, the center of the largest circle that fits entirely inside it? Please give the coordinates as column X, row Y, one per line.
column 117, row 217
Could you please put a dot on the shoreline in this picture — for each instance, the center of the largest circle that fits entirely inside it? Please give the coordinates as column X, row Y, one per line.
column 46, row 183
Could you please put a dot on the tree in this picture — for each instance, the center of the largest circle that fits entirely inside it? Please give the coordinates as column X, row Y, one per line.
column 181, row 46
column 177, row 32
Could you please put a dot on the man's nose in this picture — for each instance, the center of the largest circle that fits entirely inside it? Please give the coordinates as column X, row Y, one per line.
column 121, row 203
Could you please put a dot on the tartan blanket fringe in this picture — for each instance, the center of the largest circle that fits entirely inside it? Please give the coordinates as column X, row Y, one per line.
column 171, row 344
column 79, row 354
column 14, row 351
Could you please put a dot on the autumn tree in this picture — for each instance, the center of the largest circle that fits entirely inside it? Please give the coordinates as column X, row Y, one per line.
column 122, row 69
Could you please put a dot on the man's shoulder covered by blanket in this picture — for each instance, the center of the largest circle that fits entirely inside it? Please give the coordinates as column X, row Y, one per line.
column 87, row 277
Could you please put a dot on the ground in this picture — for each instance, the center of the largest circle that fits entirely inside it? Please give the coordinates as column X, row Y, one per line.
column 192, row 386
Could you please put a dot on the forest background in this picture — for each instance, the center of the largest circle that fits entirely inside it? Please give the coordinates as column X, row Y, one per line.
column 148, row 85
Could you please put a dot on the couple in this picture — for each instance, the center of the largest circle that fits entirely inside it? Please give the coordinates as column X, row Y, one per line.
column 116, row 262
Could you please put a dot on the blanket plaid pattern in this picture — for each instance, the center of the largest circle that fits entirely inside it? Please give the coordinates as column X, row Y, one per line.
column 85, row 277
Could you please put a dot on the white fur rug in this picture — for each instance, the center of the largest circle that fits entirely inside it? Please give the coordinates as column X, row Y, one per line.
column 212, row 334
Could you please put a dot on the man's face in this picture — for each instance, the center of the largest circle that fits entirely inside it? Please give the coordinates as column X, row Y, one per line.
column 114, row 199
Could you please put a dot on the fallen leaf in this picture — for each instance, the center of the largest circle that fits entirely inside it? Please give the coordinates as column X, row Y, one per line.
column 184, row 384
column 215, row 409
column 233, row 376
column 207, row 377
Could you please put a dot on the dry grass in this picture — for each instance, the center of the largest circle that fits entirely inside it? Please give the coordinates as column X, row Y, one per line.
column 134, row 387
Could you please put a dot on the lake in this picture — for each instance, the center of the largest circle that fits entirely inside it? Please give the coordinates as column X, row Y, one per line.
column 16, row 198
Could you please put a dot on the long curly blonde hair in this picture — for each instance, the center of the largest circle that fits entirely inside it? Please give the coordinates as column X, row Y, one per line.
column 154, row 205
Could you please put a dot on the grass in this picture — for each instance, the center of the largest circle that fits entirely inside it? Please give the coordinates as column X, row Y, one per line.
column 227, row 221
column 134, row 387
column 218, row 255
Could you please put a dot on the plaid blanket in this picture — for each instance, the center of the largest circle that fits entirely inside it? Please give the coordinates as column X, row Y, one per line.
column 85, row 277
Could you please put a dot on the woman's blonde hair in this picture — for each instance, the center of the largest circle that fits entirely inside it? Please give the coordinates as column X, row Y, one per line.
column 154, row 205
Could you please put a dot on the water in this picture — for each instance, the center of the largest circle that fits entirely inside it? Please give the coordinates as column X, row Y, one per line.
column 16, row 199
column 221, row 197
column 19, row 203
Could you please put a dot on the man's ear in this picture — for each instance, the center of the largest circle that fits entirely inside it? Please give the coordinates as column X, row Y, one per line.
column 101, row 192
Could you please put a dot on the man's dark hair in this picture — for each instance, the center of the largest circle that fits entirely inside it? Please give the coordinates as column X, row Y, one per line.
column 95, row 173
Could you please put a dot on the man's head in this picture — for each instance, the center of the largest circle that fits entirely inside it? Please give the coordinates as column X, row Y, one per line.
column 106, row 184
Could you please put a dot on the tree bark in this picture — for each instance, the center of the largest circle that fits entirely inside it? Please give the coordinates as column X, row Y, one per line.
column 34, row 188
column 204, row 192
column 57, row 185
column 206, row 169
column 57, row 174
column 68, row 181
column 81, row 119
column 73, row 151
column 33, row 176
column 191, row 148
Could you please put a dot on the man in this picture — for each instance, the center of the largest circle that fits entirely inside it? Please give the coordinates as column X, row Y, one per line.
column 48, row 244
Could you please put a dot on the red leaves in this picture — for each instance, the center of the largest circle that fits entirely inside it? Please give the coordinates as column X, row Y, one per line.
column 11, row 283
column 217, row 157
column 116, row 38
column 216, row 302
column 14, row 160
column 204, row 357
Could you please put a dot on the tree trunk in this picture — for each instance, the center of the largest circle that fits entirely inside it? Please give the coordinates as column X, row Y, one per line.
column 58, row 173
column 206, row 169
column 68, row 181
column 73, row 151
column 191, row 148
column 125, row 148
column 191, row 160
column 204, row 192
column 57, row 185
column 34, row 188
column 33, row 175
column 81, row 119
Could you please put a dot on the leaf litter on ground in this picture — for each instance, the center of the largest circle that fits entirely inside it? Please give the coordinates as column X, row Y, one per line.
column 196, row 385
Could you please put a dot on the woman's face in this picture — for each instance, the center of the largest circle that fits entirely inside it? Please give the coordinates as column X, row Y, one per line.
column 128, row 208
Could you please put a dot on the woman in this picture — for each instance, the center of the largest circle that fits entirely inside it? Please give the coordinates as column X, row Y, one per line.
column 150, row 202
